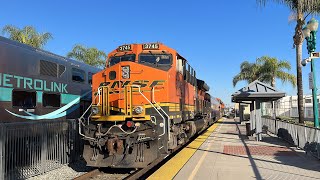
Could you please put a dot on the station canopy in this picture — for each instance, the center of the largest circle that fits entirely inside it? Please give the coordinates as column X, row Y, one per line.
column 256, row 91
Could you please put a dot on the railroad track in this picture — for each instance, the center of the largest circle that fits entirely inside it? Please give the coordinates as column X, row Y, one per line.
column 105, row 173
column 88, row 175
column 144, row 173
column 110, row 173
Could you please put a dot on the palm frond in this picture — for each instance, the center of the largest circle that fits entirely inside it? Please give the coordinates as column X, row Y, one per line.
column 91, row 56
column 304, row 6
column 286, row 77
column 27, row 35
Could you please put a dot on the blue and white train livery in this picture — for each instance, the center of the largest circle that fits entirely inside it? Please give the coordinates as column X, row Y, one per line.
column 39, row 85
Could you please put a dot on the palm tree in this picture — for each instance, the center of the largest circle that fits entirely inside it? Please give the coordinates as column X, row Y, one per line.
column 266, row 69
column 300, row 8
column 248, row 72
column 91, row 56
column 27, row 35
column 271, row 68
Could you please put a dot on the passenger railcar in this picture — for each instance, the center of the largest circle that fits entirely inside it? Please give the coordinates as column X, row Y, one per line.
column 147, row 102
column 37, row 85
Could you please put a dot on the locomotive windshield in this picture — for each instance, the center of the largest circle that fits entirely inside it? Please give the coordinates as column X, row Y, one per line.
column 159, row 59
column 116, row 59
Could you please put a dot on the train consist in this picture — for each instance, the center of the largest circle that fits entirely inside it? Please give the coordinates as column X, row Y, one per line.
column 146, row 103
column 39, row 85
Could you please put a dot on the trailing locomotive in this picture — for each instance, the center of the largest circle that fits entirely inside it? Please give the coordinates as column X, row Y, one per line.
column 146, row 103
column 37, row 85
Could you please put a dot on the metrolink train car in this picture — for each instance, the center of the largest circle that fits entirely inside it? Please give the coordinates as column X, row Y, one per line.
column 146, row 103
column 37, row 85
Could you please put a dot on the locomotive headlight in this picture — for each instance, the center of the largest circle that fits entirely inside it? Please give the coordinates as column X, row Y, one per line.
column 138, row 109
column 125, row 72
column 95, row 110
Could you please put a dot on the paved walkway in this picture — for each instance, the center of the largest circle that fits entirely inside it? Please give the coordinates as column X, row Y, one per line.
column 228, row 154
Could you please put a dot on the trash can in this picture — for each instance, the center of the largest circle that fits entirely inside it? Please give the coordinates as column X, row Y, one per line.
column 248, row 129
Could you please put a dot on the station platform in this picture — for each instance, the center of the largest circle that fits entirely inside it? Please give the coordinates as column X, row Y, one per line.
column 224, row 152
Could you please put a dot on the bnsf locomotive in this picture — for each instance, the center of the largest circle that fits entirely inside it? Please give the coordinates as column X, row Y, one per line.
column 146, row 102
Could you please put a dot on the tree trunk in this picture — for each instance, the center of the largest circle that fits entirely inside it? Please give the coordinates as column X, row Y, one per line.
column 298, row 40
column 273, row 83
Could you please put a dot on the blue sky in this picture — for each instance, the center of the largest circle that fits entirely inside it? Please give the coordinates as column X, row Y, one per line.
column 215, row 36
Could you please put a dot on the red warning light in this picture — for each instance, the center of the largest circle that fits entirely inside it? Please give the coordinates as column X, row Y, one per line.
column 129, row 124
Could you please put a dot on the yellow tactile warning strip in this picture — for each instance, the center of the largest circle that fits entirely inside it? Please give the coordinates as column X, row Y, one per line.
column 173, row 166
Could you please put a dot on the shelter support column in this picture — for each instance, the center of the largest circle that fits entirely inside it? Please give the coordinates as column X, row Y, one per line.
column 274, row 113
column 258, row 120
column 241, row 112
column 252, row 116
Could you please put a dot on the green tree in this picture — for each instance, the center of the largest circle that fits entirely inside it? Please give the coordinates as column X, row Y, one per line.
column 266, row 69
column 27, row 35
column 248, row 72
column 271, row 69
column 91, row 56
column 301, row 8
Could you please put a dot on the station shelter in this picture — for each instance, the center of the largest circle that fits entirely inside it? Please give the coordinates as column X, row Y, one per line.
column 254, row 94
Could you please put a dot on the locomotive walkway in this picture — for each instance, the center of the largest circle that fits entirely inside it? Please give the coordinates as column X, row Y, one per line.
column 227, row 153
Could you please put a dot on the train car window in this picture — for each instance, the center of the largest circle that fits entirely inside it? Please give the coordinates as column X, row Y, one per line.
column 90, row 77
column 116, row 59
column 51, row 100
column 188, row 73
column 78, row 75
column 62, row 69
column 179, row 66
column 48, row 68
column 191, row 80
column 184, row 72
column 157, row 59
column 24, row 99
column 195, row 79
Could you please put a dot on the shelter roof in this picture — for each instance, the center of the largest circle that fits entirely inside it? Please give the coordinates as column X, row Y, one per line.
column 257, row 91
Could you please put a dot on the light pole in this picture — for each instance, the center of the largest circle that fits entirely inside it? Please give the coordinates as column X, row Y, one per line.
column 310, row 34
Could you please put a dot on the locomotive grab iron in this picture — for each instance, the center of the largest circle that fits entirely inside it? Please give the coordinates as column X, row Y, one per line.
column 146, row 102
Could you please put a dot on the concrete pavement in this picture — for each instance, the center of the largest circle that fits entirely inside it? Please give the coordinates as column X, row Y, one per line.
column 228, row 153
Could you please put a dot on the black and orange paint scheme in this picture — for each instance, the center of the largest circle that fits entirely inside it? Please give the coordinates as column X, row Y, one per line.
column 147, row 102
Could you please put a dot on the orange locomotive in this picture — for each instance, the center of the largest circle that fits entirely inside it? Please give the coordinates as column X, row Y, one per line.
column 146, row 102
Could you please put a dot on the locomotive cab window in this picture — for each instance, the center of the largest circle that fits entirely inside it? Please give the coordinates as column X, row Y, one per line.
column 78, row 75
column 51, row 100
column 156, row 59
column 90, row 77
column 116, row 59
column 24, row 99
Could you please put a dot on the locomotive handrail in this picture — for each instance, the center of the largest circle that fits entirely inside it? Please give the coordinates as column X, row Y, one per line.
column 120, row 129
column 82, row 117
column 80, row 121
column 155, row 119
column 164, row 121
column 139, row 89
column 154, row 101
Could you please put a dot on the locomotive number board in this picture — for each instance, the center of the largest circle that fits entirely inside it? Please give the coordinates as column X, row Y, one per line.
column 151, row 46
column 126, row 47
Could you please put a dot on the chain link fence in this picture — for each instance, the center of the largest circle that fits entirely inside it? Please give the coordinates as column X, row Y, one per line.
column 31, row 148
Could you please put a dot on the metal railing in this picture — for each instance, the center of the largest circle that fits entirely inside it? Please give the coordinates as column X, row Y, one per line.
column 304, row 137
column 31, row 148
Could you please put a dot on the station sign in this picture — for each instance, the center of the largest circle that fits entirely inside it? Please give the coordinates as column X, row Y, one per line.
column 315, row 55
column 310, row 80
